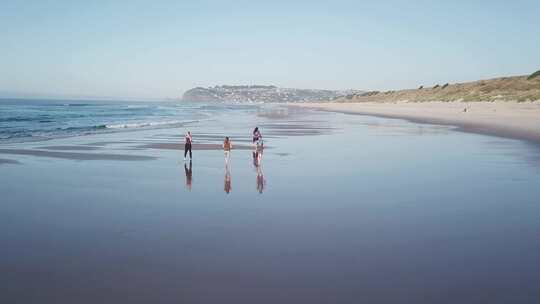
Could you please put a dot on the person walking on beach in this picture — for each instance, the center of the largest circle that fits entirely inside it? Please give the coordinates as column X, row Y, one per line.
column 187, row 145
column 257, row 141
column 256, row 135
column 227, row 147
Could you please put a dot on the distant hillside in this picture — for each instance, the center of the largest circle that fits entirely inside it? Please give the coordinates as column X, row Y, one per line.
column 260, row 93
column 517, row 88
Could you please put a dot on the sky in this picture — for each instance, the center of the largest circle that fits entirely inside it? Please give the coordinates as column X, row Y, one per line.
column 159, row 49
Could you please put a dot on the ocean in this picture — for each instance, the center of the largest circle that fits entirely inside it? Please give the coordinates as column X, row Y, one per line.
column 24, row 120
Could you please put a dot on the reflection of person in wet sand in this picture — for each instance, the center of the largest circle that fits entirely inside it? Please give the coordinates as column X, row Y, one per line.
column 227, row 183
column 257, row 154
column 260, row 179
column 189, row 175
column 255, row 159
column 257, row 162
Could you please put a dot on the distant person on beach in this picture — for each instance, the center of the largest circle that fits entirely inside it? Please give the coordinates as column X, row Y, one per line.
column 187, row 146
column 257, row 141
column 258, row 154
column 227, row 147
column 256, row 135
column 189, row 175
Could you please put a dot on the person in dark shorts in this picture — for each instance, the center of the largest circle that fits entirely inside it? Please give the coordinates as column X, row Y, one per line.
column 187, row 145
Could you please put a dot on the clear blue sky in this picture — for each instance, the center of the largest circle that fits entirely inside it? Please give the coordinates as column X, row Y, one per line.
column 159, row 49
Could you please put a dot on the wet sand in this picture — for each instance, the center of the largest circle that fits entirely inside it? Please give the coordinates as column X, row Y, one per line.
column 395, row 213
column 76, row 155
column 208, row 141
column 70, row 148
column 8, row 161
column 503, row 119
column 194, row 147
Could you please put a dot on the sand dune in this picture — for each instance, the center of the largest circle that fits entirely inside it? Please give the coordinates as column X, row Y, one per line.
column 517, row 88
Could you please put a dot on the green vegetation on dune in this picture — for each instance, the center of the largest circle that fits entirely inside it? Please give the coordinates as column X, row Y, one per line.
column 516, row 88
column 534, row 75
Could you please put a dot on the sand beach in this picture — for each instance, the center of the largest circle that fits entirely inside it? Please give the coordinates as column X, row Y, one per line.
column 519, row 120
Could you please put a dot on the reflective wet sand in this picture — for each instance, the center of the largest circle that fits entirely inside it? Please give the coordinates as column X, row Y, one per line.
column 368, row 210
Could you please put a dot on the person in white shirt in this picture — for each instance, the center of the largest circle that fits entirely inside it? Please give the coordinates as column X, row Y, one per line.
column 227, row 147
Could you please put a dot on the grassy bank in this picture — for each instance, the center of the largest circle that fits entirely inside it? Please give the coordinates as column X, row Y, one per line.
column 516, row 88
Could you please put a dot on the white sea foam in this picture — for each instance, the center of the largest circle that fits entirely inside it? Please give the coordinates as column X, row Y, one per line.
column 151, row 124
column 146, row 124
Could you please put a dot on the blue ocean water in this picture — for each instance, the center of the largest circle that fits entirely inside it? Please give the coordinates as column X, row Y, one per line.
column 32, row 120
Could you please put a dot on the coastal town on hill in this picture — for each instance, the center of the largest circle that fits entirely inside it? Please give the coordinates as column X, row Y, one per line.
column 262, row 93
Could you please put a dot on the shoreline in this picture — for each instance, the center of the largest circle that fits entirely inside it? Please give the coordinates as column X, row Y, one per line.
column 502, row 119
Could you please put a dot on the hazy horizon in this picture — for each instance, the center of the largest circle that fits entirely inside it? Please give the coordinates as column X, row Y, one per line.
column 136, row 50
